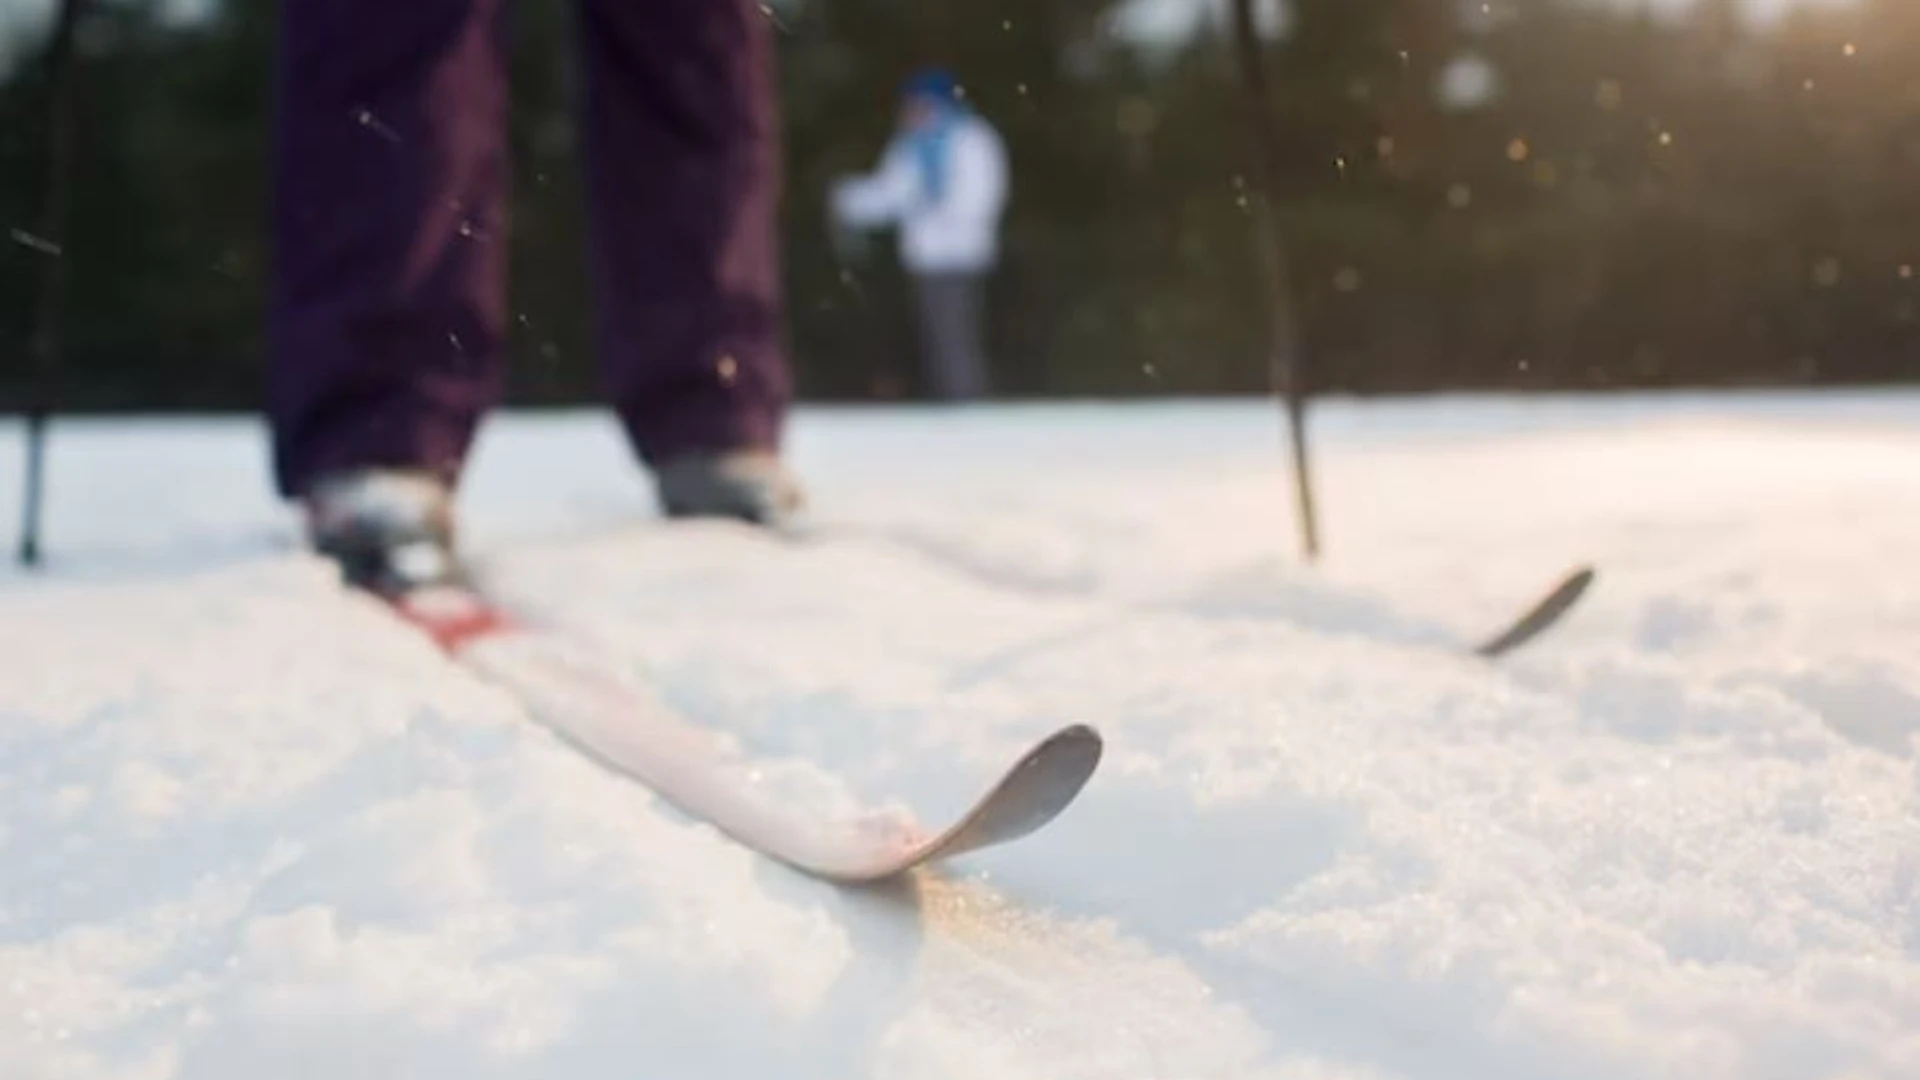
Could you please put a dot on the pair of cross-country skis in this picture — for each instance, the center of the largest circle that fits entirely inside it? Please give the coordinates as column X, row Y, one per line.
column 633, row 733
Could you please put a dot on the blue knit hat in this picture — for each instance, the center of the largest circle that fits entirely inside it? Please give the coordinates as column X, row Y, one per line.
column 935, row 84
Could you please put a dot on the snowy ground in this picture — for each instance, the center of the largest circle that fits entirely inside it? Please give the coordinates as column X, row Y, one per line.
column 251, row 828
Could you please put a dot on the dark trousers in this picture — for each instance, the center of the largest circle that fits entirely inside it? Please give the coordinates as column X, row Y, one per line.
column 952, row 349
column 389, row 305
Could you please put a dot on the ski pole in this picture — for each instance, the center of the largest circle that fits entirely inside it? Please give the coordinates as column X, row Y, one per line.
column 44, row 347
column 1284, row 365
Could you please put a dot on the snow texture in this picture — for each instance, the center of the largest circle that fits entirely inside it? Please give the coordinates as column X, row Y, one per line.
column 251, row 827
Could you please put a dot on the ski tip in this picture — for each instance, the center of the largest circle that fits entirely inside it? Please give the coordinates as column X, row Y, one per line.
column 1544, row 613
column 1573, row 586
column 1076, row 743
column 1079, row 733
column 1072, row 755
column 1038, row 787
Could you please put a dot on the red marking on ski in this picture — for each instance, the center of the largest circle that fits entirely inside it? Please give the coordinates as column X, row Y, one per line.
column 453, row 617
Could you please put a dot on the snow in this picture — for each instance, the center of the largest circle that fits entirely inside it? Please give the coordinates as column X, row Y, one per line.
column 251, row 827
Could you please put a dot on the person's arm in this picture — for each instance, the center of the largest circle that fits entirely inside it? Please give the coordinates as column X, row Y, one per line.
column 977, row 184
column 877, row 197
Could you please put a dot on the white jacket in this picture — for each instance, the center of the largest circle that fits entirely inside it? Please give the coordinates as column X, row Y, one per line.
column 960, row 232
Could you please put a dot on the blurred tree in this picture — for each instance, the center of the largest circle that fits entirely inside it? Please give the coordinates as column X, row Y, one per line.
column 1504, row 193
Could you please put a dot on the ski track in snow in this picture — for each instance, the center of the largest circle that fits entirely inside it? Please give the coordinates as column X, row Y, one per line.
column 252, row 827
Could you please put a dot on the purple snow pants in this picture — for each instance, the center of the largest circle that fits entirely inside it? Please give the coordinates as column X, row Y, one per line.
column 389, row 308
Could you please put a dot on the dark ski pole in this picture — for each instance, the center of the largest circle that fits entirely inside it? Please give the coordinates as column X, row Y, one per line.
column 47, row 240
column 1283, row 358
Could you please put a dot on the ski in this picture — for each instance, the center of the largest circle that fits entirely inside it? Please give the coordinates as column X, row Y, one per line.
column 627, row 729
column 1544, row 613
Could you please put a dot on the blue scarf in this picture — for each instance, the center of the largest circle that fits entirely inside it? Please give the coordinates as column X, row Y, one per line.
column 929, row 147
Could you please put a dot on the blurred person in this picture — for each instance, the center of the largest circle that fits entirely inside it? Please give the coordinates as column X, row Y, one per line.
column 943, row 181
column 389, row 289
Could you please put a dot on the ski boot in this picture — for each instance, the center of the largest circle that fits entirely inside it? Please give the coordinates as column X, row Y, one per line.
column 390, row 531
column 391, row 534
column 750, row 485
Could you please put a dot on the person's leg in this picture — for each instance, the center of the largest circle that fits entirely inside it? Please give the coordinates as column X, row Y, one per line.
column 683, row 166
column 950, row 316
column 969, row 335
column 389, row 263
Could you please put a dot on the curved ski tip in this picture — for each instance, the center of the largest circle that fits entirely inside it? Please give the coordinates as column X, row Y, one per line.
column 1070, row 756
column 1571, row 587
column 1579, row 582
column 1051, row 775
column 1076, row 733
column 1544, row 613
column 1081, row 737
